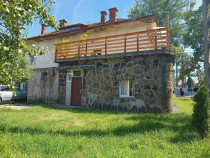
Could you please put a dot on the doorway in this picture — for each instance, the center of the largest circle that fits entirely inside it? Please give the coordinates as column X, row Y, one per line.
column 76, row 91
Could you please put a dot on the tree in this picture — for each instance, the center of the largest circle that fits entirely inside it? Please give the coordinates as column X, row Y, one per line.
column 200, row 112
column 160, row 8
column 184, row 63
column 14, row 16
column 190, row 82
column 193, row 34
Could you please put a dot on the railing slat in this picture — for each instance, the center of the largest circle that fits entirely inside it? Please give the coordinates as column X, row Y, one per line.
column 137, row 41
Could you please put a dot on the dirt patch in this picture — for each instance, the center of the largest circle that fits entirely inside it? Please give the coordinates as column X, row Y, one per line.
column 17, row 107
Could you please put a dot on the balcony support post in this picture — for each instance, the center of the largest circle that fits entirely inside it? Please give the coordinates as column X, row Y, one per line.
column 105, row 47
column 86, row 50
column 125, row 45
column 168, row 34
column 155, row 43
column 138, row 44
column 78, row 51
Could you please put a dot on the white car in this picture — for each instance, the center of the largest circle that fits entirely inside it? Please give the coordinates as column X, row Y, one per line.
column 7, row 95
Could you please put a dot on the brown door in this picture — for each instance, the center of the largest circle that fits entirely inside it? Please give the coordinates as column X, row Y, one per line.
column 76, row 91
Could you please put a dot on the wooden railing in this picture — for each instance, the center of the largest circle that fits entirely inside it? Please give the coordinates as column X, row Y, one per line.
column 156, row 39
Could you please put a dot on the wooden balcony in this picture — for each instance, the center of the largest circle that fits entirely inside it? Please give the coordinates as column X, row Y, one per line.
column 156, row 39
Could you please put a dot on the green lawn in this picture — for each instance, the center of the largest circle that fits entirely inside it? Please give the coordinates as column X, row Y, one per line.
column 43, row 131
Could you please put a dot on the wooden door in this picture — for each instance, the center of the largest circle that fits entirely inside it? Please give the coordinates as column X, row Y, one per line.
column 76, row 91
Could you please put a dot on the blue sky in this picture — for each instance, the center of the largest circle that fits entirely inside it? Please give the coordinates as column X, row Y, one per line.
column 84, row 11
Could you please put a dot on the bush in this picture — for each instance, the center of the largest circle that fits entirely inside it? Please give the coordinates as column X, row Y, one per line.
column 200, row 112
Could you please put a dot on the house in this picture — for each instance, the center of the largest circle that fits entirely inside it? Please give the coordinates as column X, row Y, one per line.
column 123, row 65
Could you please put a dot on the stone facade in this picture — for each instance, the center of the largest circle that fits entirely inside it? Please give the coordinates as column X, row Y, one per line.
column 151, row 74
column 152, row 83
column 61, row 87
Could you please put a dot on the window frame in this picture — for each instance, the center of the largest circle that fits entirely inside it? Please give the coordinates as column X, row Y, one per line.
column 44, row 74
column 128, row 89
column 77, row 71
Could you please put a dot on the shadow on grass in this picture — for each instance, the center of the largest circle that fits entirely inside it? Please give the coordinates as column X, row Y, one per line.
column 73, row 110
column 178, row 123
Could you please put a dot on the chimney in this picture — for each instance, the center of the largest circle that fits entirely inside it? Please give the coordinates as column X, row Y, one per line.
column 43, row 31
column 62, row 23
column 103, row 16
column 113, row 14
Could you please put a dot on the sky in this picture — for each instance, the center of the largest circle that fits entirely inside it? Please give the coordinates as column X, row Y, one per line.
column 84, row 11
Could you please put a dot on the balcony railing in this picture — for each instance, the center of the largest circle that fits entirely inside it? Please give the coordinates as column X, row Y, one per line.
column 156, row 39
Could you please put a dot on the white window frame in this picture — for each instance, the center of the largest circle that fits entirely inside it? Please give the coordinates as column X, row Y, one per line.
column 128, row 89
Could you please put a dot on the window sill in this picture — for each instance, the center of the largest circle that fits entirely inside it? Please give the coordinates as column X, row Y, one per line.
column 127, row 97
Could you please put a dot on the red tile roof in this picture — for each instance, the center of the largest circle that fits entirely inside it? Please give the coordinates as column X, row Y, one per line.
column 147, row 19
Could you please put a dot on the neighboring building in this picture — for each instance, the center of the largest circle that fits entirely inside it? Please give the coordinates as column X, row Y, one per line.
column 123, row 65
column 206, row 24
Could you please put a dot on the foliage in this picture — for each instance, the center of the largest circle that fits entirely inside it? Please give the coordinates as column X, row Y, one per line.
column 64, row 41
column 184, row 61
column 83, row 36
column 200, row 112
column 190, row 82
column 43, row 131
column 14, row 16
column 160, row 8
column 193, row 34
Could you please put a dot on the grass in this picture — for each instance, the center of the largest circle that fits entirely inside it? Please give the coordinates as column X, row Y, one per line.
column 43, row 131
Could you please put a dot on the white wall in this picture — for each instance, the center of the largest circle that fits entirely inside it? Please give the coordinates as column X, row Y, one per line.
column 46, row 60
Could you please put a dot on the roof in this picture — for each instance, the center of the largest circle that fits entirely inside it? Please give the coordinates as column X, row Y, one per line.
column 147, row 19
column 74, row 25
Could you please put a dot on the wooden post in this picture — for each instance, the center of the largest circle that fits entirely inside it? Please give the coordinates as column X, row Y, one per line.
column 155, row 44
column 125, row 45
column 55, row 52
column 105, row 47
column 138, row 44
column 79, row 51
column 86, row 50
column 168, row 34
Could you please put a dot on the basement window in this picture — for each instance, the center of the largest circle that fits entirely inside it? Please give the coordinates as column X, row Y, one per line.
column 126, row 88
column 44, row 76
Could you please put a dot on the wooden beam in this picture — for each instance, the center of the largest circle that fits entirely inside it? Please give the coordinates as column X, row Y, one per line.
column 125, row 44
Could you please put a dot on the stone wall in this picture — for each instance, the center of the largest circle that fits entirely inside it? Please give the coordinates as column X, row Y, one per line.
column 152, row 77
column 61, row 87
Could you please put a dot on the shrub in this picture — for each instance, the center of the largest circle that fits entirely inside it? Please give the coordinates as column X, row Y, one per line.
column 200, row 112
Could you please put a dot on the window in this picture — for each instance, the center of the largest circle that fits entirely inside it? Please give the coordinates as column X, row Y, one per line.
column 4, row 88
column 76, row 73
column 44, row 76
column 127, row 88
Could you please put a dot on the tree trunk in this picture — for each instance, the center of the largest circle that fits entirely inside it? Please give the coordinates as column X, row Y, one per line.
column 176, row 75
column 206, row 43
